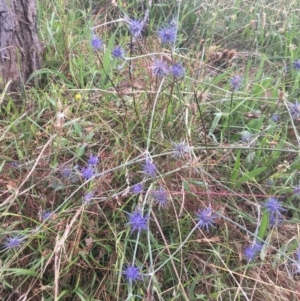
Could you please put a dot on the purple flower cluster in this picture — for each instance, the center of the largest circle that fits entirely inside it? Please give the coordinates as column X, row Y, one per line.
column 177, row 70
column 295, row 109
column 235, row 82
column 137, row 221
column 149, row 168
column 297, row 263
column 297, row 65
column 89, row 171
column 118, row 52
column 93, row 160
column 206, row 218
column 97, row 43
column 66, row 172
column 47, row 214
column 137, row 188
column 275, row 117
column 252, row 251
column 297, row 191
column 168, row 34
column 87, row 198
column 13, row 242
column 161, row 69
column 132, row 273
column 161, row 196
column 136, row 26
column 274, row 208
column 180, row 150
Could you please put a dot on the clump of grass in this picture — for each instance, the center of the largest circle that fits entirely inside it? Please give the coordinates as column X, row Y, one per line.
column 159, row 157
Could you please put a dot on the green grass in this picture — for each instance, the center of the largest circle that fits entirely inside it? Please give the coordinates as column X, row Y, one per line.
column 88, row 103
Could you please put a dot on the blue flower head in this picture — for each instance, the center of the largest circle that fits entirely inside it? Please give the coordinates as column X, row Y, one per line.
column 87, row 172
column 168, row 34
column 14, row 164
column 206, row 218
column 295, row 109
column 235, row 82
column 93, row 160
column 66, row 172
column 137, row 221
column 97, row 43
column 118, row 52
column 47, row 214
column 137, row 188
column 298, row 253
column 180, row 150
column 297, row 191
column 132, row 273
column 275, row 219
column 135, row 26
column 14, row 242
column 159, row 68
column 149, row 168
column 161, row 196
column 252, row 251
column 87, row 198
column 177, row 70
column 275, row 117
column 273, row 206
column 297, row 65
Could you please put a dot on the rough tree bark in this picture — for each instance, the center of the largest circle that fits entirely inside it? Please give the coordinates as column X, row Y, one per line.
column 20, row 49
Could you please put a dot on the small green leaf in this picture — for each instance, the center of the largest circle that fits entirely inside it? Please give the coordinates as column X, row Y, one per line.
column 250, row 175
column 263, row 225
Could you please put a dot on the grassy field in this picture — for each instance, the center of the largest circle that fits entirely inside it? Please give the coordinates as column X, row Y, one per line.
column 158, row 159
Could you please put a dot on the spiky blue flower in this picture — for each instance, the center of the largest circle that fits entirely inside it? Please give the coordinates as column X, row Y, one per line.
column 177, row 70
column 66, row 172
column 118, row 52
column 298, row 253
column 135, row 26
column 47, row 214
column 294, row 109
column 132, row 273
column 87, row 172
column 87, row 198
column 273, row 206
column 159, row 68
column 14, row 242
column 168, row 34
column 297, row 65
column 137, row 221
column 206, row 218
column 97, row 43
column 252, row 251
column 14, row 164
column 137, row 188
column 235, row 82
column 297, row 191
column 149, row 168
column 275, row 219
column 161, row 196
column 275, row 117
column 296, row 264
column 180, row 150
column 93, row 160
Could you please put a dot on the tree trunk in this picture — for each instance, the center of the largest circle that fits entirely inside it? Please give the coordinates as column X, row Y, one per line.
column 20, row 49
